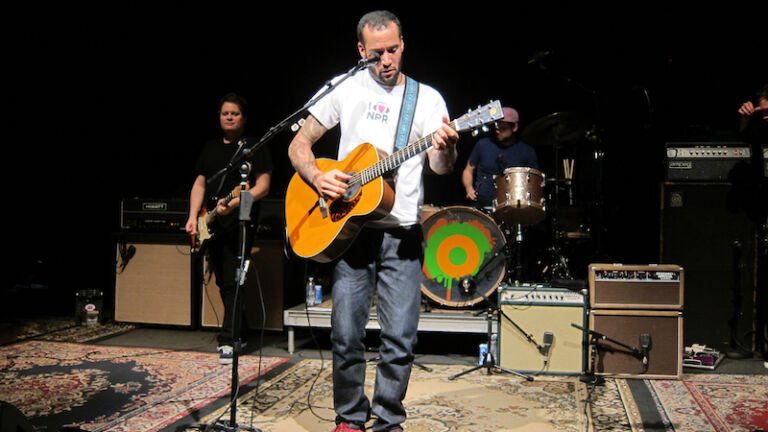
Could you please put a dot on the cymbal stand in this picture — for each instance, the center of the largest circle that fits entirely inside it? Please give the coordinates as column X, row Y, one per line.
column 517, row 255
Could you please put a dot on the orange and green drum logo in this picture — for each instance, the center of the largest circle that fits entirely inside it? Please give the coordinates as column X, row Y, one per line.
column 456, row 250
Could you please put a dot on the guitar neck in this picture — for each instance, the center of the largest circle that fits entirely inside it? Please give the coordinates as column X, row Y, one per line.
column 397, row 158
column 213, row 213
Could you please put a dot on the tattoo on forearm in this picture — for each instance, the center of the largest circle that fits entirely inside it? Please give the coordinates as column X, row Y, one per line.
column 300, row 150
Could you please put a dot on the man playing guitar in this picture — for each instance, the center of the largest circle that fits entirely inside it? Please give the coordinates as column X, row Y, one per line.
column 386, row 256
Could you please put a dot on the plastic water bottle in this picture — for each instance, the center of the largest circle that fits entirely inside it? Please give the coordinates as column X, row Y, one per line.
column 311, row 291
column 494, row 348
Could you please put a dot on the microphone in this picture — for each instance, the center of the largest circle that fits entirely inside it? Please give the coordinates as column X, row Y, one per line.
column 372, row 60
column 548, row 339
column 467, row 285
column 645, row 345
column 126, row 255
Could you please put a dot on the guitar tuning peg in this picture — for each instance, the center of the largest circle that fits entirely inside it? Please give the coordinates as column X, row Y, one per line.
column 485, row 128
column 475, row 132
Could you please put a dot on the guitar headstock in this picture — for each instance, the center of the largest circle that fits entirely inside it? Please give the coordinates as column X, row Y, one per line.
column 479, row 117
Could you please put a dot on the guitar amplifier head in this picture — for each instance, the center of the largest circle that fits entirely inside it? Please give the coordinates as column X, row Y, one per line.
column 704, row 161
column 152, row 215
column 619, row 286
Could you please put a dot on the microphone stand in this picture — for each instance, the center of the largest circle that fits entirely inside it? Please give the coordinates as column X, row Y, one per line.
column 589, row 377
column 246, row 201
column 293, row 118
column 489, row 362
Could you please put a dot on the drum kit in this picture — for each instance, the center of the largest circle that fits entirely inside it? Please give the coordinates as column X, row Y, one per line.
column 469, row 251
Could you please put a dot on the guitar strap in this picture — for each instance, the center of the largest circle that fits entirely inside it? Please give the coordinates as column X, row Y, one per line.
column 240, row 143
column 407, row 108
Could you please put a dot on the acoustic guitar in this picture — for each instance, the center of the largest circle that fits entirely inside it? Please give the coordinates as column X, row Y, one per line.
column 323, row 231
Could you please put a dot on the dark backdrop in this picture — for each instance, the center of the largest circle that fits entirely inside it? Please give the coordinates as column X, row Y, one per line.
column 115, row 101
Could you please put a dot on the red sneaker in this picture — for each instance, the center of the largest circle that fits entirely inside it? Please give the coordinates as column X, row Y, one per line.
column 344, row 427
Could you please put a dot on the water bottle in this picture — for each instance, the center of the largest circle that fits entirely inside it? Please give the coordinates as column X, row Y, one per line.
column 311, row 291
column 494, row 348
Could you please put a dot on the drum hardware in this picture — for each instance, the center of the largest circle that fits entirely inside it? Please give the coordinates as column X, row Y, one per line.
column 556, row 128
column 556, row 131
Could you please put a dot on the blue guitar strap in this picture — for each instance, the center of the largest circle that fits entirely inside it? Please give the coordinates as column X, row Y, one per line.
column 407, row 108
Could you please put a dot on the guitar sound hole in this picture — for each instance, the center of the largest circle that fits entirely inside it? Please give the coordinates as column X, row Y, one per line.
column 341, row 207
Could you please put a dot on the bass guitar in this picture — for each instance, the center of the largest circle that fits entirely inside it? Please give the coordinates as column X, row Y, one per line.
column 323, row 232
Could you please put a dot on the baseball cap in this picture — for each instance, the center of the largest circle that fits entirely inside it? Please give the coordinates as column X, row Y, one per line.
column 510, row 115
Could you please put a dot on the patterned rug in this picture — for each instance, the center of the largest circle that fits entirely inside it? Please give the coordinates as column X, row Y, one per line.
column 502, row 403
column 61, row 329
column 100, row 388
column 699, row 402
column 472, row 402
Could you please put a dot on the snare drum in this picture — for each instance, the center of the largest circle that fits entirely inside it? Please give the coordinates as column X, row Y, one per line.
column 519, row 196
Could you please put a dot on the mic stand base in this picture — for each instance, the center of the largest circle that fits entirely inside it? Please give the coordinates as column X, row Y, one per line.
column 592, row 379
column 221, row 426
column 489, row 364
column 488, row 361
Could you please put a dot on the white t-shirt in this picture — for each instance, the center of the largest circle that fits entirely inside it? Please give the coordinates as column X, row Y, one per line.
column 369, row 112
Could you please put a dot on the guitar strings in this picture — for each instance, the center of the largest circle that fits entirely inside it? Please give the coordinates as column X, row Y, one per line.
column 394, row 160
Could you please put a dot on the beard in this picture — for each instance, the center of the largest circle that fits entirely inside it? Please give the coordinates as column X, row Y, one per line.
column 380, row 77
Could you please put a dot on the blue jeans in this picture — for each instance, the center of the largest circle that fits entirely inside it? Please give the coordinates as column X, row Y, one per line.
column 387, row 262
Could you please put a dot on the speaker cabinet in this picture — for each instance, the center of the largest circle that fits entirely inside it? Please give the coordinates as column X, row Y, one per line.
column 702, row 232
column 536, row 312
column 665, row 329
column 153, row 280
column 267, row 264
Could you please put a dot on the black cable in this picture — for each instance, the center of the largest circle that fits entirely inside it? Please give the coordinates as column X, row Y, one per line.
column 319, row 352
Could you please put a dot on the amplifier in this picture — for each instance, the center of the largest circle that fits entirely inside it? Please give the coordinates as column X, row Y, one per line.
column 538, row 310
column 704, row 161
column 165, row 215
column 619, row 286
column 665, row 333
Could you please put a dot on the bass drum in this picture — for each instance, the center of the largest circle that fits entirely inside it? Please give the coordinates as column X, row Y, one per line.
column 462, row 245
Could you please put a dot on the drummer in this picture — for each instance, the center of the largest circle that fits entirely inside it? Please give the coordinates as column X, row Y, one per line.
column 491, row 156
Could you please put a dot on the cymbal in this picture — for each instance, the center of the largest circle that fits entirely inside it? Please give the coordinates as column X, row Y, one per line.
column 556, row 128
